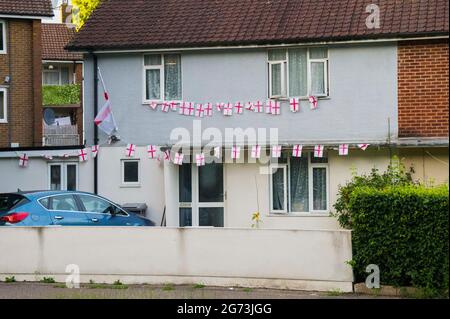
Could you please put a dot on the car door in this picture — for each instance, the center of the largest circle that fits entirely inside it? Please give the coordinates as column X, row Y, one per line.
column 65, row 211
column 103, row 213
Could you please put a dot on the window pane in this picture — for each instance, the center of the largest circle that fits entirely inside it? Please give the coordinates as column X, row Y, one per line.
column 2, row 105
column 64, row 203
column 185, row 217
column 45, row 202
column 185, row 183
column 278, row 189
column 298, row 71
column 71, row 177
column 320, row 188
column 299, row 185
column 64, row 75
column 276, row 79
column 318, row 78
column 153, row 59
column 172, row 71
column 51, row 78
column 55, row 177
column 318, row 53
column 321, row 160
column 277, row 55
column 95, row 204
column 131, row 172
column 211, row 183
column 211, row 216
column 153, row 81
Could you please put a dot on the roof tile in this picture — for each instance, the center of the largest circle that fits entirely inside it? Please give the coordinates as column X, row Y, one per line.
column 26, row 7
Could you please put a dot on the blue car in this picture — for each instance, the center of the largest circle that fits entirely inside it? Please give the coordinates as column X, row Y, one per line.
column 62, row 208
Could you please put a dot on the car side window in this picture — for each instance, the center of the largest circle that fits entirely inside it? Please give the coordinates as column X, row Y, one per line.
column 45, row 202
column 97, row 205
column 63, row 203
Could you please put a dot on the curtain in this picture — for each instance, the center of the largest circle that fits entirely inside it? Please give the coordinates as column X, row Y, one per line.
column 298, row 85
column 277, row 55
column 65, row 76
column 153, row 81
column 320, row 188
column 172, row 71
column 318, row 78
column 51, row 78
column 278, row 189
column 299, row 185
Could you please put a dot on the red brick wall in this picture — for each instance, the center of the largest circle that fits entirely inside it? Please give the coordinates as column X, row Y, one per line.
column 423, row 89
column 23, row 64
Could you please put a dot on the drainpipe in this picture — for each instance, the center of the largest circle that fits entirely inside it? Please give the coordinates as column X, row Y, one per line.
column 9, row 89
column 95, row 126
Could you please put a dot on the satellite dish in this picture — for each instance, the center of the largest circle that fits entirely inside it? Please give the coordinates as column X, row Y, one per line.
column 49, row 116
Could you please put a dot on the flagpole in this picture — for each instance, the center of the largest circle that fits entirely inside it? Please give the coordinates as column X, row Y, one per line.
column 96, row 74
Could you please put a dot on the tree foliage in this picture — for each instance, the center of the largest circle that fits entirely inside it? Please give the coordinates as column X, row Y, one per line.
column 84, row 9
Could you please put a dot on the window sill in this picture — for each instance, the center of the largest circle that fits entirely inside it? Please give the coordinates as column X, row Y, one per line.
column 298, row 215
column 3, row 122
column 286, row 99
column 159, row 102
column 130, row 185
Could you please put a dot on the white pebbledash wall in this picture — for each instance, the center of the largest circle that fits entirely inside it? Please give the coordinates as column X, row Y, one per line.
column 294, row 259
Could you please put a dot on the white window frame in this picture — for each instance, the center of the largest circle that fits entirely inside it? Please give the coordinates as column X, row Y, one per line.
column 325, row 75
column 5, row 43
column 162, row 79
column 287, row 190
column 63, row 178
column 284, row 167
column 5, row 105
column 130, row 184
column 285, row 75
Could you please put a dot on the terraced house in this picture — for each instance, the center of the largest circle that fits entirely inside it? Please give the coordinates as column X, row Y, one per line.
column 383, row 84
column 41, row 113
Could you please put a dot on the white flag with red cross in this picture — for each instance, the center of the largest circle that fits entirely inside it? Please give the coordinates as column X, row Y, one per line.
column 318, row 151
column 273, row 107
column 23, row 160
column 239, row 107
column 208, row 109
column 363, row 146
column 178, row 160
column 256, row 151
column 219, row 106
column 165, row 107
column 200, row 159
column 228, row 109
column 249, row 106
column 183, row 107
column 276, row 151
column 82, row 155
column 94, row 150
column 190, row 109
column 258, row 107
column 235, row 152
column 173, row 106
column 294, row 104
column 152, row 151
column 343, row 149
column 167, row 155
column 105, row 118
column 199, row 110
column 297, row 151
column 314, row 102
column 130, row 150
column 153, row 106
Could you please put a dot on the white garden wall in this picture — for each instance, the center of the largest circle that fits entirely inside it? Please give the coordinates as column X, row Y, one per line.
column 295, row 259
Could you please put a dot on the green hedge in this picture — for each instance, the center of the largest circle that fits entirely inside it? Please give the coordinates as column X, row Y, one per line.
column 403, row 230
column 61, row 94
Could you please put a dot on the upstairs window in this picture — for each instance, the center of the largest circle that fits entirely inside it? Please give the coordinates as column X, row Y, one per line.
column 162, row 74
column 298, row 72
column 2, row 37
column 55, row 75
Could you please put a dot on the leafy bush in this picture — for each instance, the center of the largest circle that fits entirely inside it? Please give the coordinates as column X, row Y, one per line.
column 404, row 230
column 395, row 175
column 61, row 94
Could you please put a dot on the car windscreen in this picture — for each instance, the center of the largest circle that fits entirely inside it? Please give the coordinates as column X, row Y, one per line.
column 11, row 201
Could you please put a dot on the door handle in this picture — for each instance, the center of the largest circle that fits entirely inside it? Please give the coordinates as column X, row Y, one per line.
column 95, row 220
column 59, row 217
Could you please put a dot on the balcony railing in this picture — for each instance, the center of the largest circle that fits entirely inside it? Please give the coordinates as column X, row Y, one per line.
column 66, row 135
column 56, row 95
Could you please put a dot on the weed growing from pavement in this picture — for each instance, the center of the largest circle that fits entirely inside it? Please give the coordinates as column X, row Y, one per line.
column 334, row 292
column 48, row 280
column 10, row 279
column 168, row 287
column 199, row 286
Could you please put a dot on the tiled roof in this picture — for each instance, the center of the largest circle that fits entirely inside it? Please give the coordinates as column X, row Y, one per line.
column 135, row 24
column 54, row 38
column 26, row 7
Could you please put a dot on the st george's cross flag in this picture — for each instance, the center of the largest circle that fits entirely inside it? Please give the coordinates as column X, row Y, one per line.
column 105, row 118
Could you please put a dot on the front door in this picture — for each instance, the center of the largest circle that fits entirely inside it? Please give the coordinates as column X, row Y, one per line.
column 202, row 195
